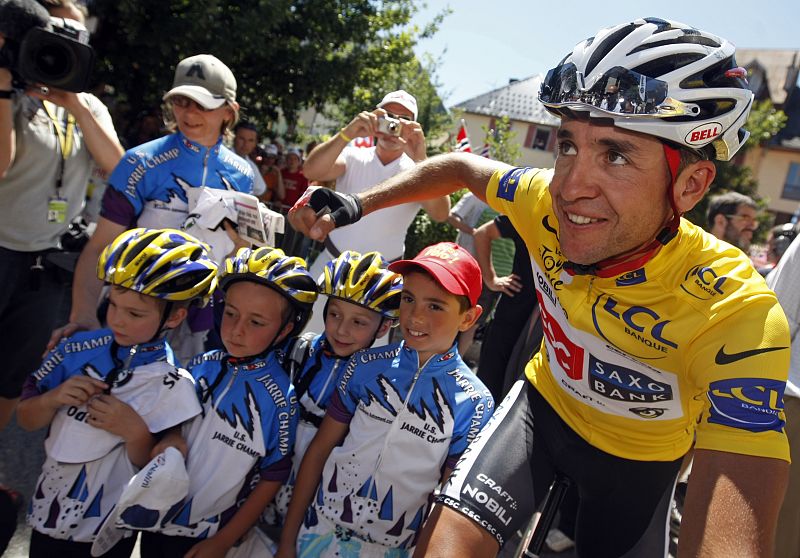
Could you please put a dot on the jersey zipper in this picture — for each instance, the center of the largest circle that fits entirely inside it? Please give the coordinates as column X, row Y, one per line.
column 205, row 166
column 394, row 423
column 227, row 387
column 331, row 375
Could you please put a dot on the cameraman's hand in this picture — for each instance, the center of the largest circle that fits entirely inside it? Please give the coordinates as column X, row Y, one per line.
column 67, row 99
column 415, row 141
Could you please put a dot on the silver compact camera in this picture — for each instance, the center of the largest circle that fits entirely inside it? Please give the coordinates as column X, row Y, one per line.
column 390, row 126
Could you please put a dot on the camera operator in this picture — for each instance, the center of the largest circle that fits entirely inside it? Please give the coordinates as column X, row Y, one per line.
column 399, row 145
column 48, row 140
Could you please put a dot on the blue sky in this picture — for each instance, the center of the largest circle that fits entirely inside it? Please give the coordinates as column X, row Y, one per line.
column 484, row 43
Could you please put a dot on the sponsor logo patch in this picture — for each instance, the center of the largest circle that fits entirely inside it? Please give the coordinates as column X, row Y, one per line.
column 723, row 358
column 508, row 183
column 567, row 354
column 704, row 133
column 635, row 277
column 703, row 283
column 617, row 323
column 624, row 384
column 754, row 404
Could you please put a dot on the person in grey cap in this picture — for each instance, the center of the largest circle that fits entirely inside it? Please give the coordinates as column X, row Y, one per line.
column 151, row 186
column 399, row 144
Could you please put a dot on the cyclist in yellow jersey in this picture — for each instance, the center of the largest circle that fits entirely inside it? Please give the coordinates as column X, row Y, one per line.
column 657, row 335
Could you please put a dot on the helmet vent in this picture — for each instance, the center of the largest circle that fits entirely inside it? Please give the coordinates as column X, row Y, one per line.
column 363, row 265
column 601, row 50
column 663, row 66
column 140, row 245
column 183, row 282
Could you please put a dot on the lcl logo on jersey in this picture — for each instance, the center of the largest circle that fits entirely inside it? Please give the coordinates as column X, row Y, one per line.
column 754, row 404
column 703, row 283
column 619, row 324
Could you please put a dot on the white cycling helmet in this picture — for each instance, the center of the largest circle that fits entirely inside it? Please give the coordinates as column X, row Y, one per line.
column 657, row 77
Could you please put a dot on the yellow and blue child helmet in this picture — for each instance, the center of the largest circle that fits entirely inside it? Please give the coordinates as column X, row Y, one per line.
column 287, row 275
column 363, row 280
column 162, row 263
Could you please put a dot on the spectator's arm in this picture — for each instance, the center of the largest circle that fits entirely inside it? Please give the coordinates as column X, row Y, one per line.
column 102, row 143
column 280, row 189
column 456, row 222
column 732, row 504
column 438, row 209
column 7, row 135
column 86, row 285
column 330, row 434
column 484, row 235
column 432, row 178
column 324, row 162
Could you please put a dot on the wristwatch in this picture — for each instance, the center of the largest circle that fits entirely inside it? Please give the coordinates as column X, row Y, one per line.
column 6, row 94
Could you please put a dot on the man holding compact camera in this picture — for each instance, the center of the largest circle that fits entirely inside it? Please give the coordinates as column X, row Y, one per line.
column 49, row 138
column 399, row 145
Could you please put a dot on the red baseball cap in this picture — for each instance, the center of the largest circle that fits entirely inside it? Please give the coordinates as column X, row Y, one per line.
column 451, row 265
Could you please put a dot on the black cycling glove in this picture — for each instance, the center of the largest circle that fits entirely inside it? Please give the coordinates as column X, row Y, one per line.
column 345, row 209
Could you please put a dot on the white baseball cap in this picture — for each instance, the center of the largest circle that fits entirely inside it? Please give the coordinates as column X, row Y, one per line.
column 152, row 497
column 402, row 98
column 204, row 79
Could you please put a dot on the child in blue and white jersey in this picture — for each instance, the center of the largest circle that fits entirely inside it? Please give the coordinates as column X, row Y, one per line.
column 104, row 394
column 363, row 301
column 398, row 421
column 240, row 448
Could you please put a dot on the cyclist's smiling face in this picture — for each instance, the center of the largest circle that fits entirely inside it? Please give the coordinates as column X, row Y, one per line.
column 350, row 327
column 609, row 190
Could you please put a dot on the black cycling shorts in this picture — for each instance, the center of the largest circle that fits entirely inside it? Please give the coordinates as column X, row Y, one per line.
column 623, row 507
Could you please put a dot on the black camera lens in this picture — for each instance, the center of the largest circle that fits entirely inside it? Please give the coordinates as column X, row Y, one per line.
column 53, row 60
column 393, row 126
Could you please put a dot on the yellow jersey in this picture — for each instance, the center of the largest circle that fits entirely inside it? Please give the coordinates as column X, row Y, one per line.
column 692, row 346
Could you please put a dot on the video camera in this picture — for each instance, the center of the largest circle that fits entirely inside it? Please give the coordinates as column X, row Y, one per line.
column 41, row 49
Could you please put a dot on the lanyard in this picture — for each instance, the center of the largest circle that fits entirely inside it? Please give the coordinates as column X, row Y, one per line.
column 65, row 136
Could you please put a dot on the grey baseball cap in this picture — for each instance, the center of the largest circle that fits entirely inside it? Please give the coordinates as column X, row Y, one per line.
column 204, row 79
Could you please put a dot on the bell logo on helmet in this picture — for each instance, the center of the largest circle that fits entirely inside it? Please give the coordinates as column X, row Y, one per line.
column 703, row 134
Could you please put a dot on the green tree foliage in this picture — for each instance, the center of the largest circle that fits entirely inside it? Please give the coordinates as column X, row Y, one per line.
column 502, row 146
column 763, row 123
column 285, row 54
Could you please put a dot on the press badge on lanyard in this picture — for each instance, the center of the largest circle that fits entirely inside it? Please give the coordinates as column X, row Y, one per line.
column 57, row 205
column 57, row 210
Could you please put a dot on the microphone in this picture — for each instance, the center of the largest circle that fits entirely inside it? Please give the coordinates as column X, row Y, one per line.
column 17, row 17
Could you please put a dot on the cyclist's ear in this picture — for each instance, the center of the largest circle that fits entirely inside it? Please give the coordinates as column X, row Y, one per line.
column 692, row 184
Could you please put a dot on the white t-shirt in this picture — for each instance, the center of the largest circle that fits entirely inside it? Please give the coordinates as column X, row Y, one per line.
column 31, row 180
column 785, row 281
column 385, row 230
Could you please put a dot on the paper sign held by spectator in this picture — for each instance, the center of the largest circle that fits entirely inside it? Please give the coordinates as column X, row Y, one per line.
column 256, row 223
column 210, row 207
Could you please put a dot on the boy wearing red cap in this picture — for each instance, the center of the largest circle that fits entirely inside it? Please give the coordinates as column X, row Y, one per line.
column 397, row 423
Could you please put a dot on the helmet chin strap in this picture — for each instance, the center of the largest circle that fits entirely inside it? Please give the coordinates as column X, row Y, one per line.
column 636, row 258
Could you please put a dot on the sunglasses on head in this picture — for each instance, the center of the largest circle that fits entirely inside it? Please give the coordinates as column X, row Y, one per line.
column 185, row 102
column 399, row 117
column 618, row 91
